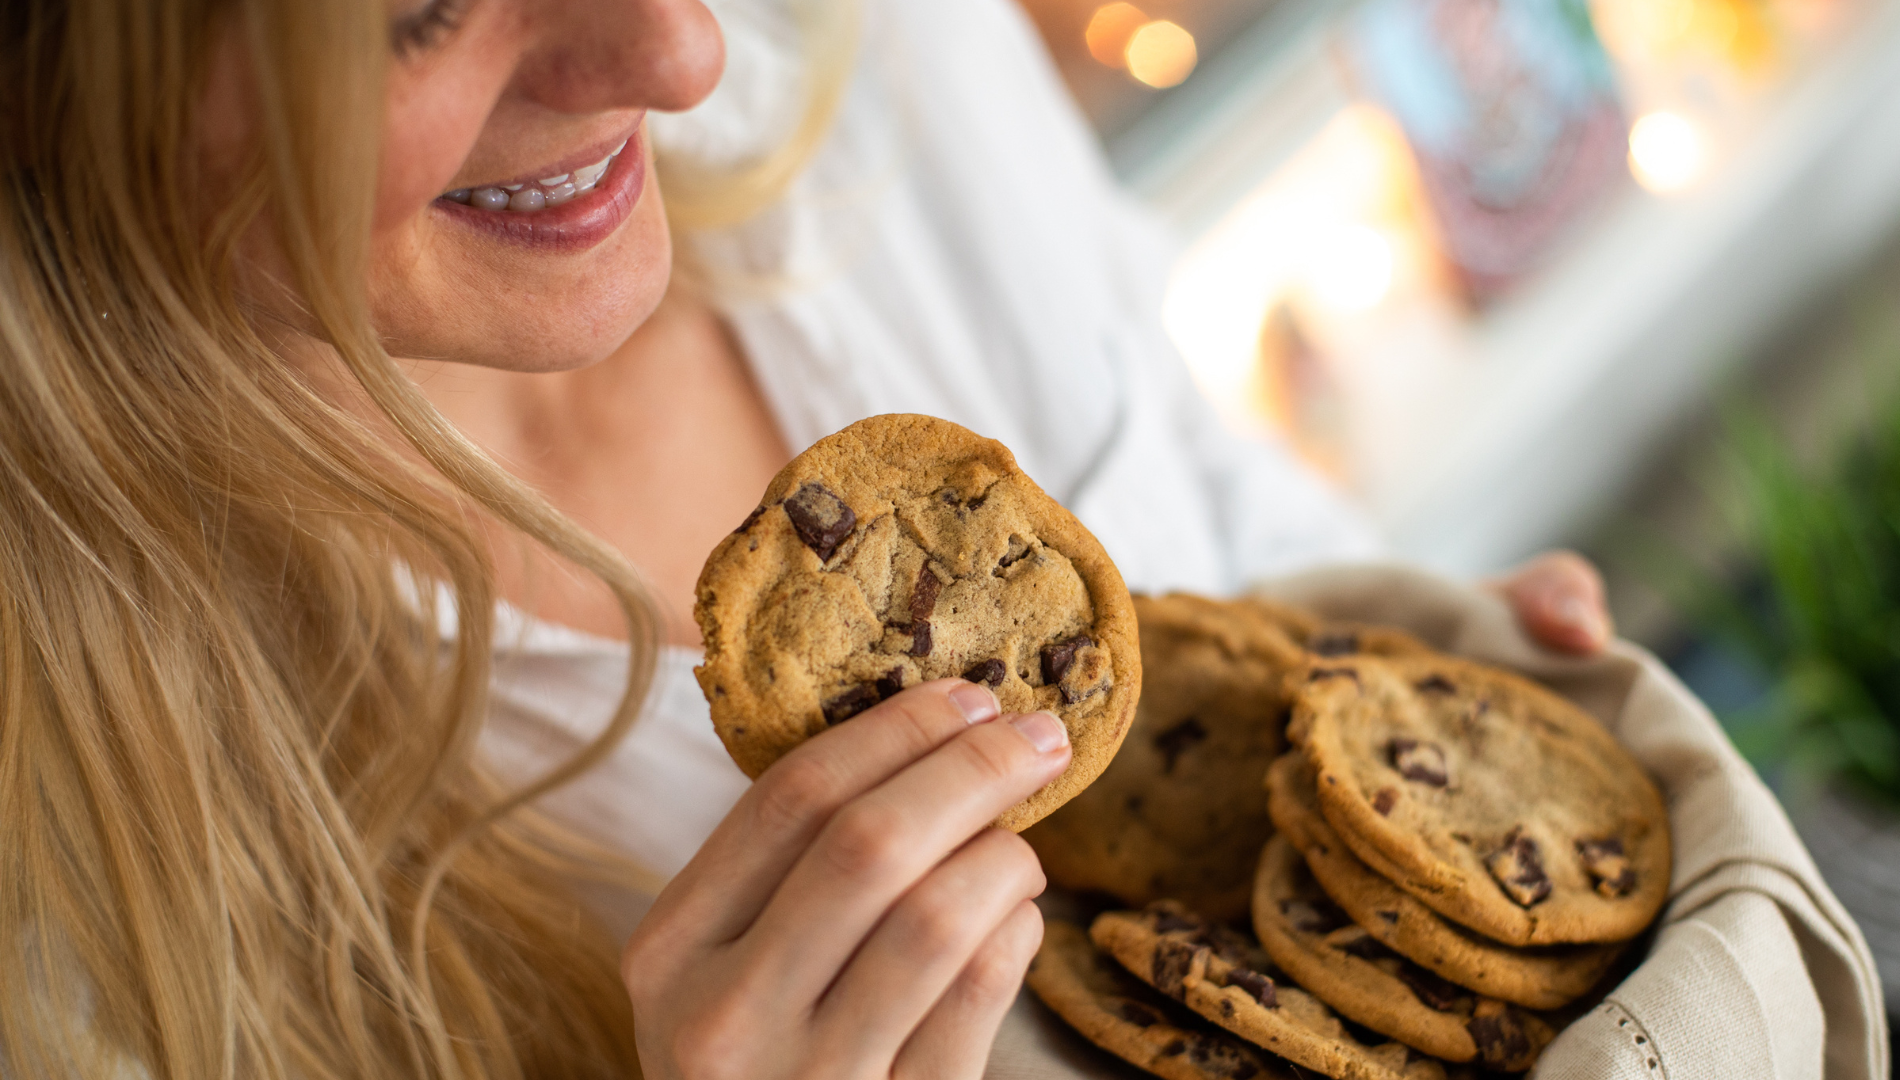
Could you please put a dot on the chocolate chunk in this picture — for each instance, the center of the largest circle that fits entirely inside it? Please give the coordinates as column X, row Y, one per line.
column 1384, row 800
column 1322, row 674
column 1499, row 1032
column 821, row 519
column 1170, row 965
column 949, row 496
column 1608, row 866
column 1018, row 550
column 1420, row 761
column 1220, row 1058
column 1336, row 643
column 1434, row 684
column 850, row 703
column 923, row 595
column 1391, row 917
column 1057, row 658
column 1137, row 1014
column 1175, row 1048
column 990, row 673
column 1316, row 915
column 1354, row 941
column 1431, row 988
column 1167, row 921
column 1518, row 867
column 890, row 684
column 750, row 520
column 920, row 639
column 1256, row 984
column 1172, row 742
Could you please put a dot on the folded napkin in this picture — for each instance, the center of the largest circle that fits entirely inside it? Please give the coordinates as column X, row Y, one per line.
column 1756, row 970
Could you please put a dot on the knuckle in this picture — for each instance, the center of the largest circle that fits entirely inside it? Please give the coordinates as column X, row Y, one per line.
column 994, row 753
column 996, row 971
column 861, row 841
column 710, row 1044
column 934, row 924
column 925, row 712
column 796, row 791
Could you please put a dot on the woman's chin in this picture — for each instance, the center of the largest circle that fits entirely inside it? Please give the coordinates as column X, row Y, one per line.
column 527, row 314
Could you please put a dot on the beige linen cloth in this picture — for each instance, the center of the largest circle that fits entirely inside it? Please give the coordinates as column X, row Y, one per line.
column 1756, row 972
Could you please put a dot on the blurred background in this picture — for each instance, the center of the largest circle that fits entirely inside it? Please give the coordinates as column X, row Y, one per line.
column 1617, row 275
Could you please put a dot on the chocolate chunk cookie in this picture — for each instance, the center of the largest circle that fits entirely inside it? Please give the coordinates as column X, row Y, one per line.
column 1120, row 1014
column 1179, row 812
column 1496, row 802
column 1335, row 959
column 1227, row 979
column 1545, row 977
column 904, row 549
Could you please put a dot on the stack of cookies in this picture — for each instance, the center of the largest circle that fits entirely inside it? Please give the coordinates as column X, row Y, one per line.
column 1448, row 856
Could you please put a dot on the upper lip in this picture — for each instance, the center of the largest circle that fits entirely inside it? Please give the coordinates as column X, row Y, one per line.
column 579, row 159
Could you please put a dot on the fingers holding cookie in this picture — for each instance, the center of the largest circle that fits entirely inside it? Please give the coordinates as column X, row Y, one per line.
column 723, row 889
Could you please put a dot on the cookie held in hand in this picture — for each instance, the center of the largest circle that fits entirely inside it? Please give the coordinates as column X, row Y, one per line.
column 904, row 549
column 1495, row 802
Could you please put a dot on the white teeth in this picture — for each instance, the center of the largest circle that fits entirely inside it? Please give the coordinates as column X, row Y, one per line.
column 522, row 198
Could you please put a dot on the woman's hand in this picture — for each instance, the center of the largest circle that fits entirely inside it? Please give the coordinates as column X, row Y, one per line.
column 854, row 916
column 1558, row 597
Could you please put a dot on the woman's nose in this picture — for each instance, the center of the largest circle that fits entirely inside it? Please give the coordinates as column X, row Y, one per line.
column 595, row 55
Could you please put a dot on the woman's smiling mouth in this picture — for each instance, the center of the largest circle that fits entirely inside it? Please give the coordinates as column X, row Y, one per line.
column 531, row 195
column 571, row 210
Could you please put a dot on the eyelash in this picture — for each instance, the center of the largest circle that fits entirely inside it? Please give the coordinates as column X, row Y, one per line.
column 427, row 28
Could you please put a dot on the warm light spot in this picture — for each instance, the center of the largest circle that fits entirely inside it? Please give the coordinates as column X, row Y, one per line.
column 1666, row 152
column 1160, row 54
column 1350, row 270
column 1109, row 30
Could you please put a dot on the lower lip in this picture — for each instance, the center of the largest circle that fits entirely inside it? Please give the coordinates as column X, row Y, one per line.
column 575, row 225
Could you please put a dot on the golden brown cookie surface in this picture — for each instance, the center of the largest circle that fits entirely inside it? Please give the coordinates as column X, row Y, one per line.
column 1180, row 813
column 1494, row 801
column 904, row 549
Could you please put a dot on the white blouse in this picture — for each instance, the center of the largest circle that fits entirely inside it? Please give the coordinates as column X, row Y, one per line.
column 958, row 247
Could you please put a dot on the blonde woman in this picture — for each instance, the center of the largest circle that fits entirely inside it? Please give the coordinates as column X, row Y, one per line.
column 314, row 720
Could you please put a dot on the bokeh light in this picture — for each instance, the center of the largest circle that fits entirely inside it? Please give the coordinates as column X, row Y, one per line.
column 1160, row 54
column 1109, row 30
column 1350, row 270
column 1667, row 152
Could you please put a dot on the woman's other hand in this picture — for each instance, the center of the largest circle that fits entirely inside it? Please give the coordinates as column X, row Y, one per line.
column 855, row 916
column 1558, row 597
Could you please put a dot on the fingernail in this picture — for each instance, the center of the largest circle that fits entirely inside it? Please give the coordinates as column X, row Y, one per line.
column 1043, row 731
column 1573, row 612
column 975, row 702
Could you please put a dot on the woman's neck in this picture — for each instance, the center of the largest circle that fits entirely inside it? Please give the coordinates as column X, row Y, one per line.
column 660, row 449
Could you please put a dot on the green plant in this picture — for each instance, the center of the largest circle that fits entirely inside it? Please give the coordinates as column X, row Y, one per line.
column 1819, row 613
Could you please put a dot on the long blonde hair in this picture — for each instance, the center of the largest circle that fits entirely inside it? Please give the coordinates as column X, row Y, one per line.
column 242, row 827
